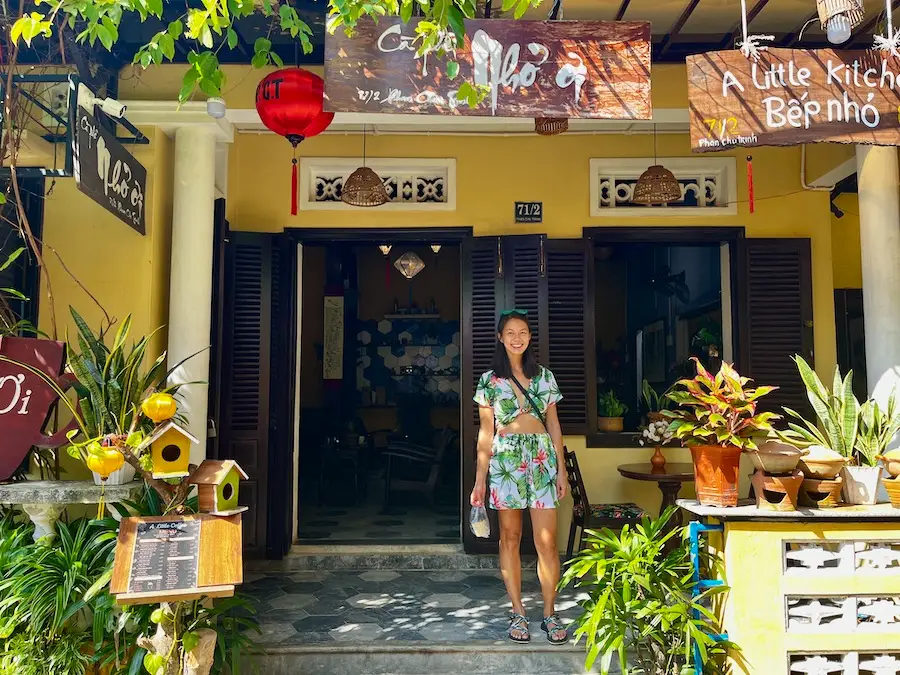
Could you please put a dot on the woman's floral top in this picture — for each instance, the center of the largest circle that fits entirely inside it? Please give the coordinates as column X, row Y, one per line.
column 500, row 394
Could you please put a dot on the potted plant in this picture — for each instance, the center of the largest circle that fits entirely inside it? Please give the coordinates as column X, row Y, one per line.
column 657, row 434
column 642, row 601
column 654, row 403
column 610, row 412
column 877, row 428
column 840, row 417
column 717, row 418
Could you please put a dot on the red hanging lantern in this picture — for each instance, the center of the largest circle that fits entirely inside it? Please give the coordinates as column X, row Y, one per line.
column 289, row 102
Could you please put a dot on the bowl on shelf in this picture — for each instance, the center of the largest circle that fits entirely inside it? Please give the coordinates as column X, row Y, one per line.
column 775, row 458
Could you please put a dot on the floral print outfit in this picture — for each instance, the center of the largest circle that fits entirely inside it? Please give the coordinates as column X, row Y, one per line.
column 523, row 467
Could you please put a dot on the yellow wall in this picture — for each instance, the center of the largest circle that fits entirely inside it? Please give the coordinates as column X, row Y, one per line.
column 847, row 262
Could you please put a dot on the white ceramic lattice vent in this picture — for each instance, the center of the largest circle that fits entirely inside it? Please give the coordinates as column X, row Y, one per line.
column 852, row 663
column 842, row 557
column 411, row 184
column 843, row 614
column 708, row 186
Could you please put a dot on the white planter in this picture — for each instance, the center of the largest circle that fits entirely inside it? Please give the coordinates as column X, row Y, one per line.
column 862, row 485
column 121, row 477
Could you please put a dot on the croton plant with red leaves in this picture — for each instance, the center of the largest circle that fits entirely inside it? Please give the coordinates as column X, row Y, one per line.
column 719, row 410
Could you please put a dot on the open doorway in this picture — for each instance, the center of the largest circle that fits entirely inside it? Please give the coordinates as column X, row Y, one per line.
column 379, row 390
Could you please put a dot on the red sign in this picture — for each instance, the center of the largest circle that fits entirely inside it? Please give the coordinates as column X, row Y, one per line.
column 26, row 400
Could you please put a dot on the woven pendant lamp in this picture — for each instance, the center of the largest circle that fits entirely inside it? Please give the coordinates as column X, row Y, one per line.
column 657, row 186
column 364, row 187
column 550, row 126
column 839, row 18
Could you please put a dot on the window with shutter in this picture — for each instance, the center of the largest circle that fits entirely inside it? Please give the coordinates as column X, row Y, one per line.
column 778, row 317
column 23, row 275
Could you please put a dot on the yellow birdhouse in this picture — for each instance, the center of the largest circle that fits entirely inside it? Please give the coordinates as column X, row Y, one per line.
column 170, row 450
column 217, row 484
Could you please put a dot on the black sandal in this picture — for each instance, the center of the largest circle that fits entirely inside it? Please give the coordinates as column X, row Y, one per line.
column 518, row 622
column 553, row 626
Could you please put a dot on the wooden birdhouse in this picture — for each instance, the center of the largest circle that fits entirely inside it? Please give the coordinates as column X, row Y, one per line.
column 217, row 484
column 170, row 450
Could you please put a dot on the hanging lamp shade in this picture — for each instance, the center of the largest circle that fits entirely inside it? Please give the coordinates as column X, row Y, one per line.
column 656, row 186
column 839, row 18
column 290, row 103
column 550, row 126
column 409, row 264
column 364, row 187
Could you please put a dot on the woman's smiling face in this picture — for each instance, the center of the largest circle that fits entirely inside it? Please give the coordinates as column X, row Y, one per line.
column 515, row 336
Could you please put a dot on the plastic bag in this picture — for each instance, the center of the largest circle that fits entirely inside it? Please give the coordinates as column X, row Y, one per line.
column 479, row 523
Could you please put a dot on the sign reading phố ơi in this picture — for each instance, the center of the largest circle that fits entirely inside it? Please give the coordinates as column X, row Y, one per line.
column 584, row 69
column 107, row 173
column 791, row 97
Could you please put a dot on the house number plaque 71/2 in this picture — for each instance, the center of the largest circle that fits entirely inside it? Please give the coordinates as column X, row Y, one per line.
column 529, row 212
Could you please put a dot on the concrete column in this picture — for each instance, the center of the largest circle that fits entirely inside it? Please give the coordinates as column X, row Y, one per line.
column 190, row 291
column 879, row 225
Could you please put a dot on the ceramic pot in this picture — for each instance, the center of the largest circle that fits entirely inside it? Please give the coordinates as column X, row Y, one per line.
column 821, row 493
column 775, row 458
column 658, row 461
column 862, row 485
column 892, row 486
column 891, row 462
column 777, row 493
column 611, row 425
column 121, row 476
column 822, row 468
column 716, row 474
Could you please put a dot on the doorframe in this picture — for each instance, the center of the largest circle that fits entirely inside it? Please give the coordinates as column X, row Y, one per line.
column 302, row 236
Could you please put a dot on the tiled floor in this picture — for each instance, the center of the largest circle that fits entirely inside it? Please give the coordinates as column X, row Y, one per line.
column 379, row 605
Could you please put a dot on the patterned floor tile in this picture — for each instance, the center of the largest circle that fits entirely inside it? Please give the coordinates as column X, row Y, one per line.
column 290, row 601
column 275, row 632
column 356, row 632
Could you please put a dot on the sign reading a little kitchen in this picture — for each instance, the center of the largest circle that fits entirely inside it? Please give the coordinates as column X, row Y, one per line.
column 107, row 173
column 790, row 97
column 583, row 69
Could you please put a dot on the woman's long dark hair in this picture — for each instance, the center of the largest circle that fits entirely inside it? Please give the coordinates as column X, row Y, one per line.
column 501, row 365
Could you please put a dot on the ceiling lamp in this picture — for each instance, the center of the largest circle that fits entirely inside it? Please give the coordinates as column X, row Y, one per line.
column 436, row 248
column 550, row 126
column 364, row 187
column 839, row 18
column 657, row 186
column 409, row 264
column 385, row 249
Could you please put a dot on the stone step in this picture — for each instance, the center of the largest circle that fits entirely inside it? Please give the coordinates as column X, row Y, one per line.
column 417, row 658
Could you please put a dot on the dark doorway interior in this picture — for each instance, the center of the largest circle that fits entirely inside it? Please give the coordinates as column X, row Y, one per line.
column 851, row 337
column 379, row 393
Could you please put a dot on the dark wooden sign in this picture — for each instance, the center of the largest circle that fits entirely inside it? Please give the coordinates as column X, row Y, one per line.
column 529, row 212
column 27, row 400
column 792, row 97
column 588, row 69
column 163, row 558
column 107, row 173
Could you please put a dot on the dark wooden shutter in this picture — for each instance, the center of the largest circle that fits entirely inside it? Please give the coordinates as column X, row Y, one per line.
column 482, row 292
column 570, row 330
column 524, row 275
column 245, row 376
column 777, row 319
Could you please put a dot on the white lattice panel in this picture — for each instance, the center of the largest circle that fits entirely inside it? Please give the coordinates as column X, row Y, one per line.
column 816, row 615
column 842, row 557
column 852, row 663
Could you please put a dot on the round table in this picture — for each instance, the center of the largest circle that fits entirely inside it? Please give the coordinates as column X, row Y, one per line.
column 669, row 479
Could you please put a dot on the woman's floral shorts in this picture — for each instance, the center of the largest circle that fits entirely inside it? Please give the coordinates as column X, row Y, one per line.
column 522, row 472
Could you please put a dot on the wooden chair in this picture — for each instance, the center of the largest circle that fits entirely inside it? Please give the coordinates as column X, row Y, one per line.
column 594, row 516
column 419, row 465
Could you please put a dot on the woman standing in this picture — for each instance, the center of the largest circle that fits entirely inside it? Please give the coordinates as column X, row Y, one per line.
column 520, row 441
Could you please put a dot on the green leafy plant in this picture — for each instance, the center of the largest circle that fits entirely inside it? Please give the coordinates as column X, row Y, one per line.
column 718, row 410
column 641, row 600
column 609, row 405
column 837, row 411
column 652, row 401
column 877, row 428
column 10, row 324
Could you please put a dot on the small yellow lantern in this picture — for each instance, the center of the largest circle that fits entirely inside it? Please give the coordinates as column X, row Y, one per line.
column 159, row 407
column 104, row 460
column 170, row 450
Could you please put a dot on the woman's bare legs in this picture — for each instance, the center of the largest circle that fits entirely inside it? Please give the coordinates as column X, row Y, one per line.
column 543, row 522
column 511, row 561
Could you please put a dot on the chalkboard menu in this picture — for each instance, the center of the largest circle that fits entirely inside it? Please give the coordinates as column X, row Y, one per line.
column 165, row 556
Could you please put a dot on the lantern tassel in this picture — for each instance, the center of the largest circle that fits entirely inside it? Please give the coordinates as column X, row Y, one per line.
column 750, row 182
column 294, row 186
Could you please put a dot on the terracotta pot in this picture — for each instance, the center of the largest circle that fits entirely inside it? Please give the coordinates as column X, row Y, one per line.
column 891, row 462
column 775, row 458
column 776, row 493
column 892, row 486
column 658, row 461
column 611, row 424
column 821, row 493
column 716, row 474
column 862, row 485
column 822, row 468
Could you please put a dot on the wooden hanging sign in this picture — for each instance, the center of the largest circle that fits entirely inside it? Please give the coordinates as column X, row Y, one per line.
column 792, row 97
column 587, row 69
column 176, row 558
